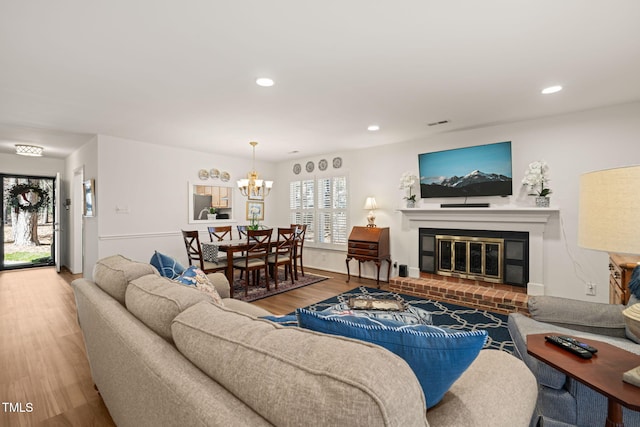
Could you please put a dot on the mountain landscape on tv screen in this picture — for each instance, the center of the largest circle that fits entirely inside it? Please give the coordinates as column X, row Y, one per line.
column 476, row 183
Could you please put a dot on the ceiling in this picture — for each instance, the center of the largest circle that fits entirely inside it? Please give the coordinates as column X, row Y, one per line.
column 183, row 73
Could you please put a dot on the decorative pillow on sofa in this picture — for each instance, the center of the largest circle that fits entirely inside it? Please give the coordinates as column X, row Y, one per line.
column 166, row 266
column 438, row 356
column 195, row 277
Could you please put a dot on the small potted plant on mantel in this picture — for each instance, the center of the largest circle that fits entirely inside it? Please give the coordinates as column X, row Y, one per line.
column 212, row 214
column 536, row 179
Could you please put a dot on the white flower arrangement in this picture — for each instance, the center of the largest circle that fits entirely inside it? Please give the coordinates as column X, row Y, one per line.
column 407, row 181
column 536, row 177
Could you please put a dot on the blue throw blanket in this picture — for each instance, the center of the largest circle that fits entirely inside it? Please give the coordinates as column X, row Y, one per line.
column 634, row 283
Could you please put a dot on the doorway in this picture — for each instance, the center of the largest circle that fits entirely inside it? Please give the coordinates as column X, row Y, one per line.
column 28, row 221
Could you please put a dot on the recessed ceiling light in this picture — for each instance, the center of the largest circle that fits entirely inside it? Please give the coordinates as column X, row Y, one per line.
column 551, row 89
column 264, row 82
column 373, row 128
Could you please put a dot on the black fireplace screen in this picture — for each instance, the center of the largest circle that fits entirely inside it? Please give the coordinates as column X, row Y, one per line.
column 492, row 256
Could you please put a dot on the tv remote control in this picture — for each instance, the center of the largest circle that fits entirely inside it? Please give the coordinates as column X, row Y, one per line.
column 577, row 350
column 579, row 344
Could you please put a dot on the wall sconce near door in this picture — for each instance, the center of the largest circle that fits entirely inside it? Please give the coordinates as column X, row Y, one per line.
column 371, row 205
column 29, row 150
column 252, row 187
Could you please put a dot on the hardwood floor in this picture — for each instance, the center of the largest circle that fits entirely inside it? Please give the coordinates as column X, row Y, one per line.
column 44, row 373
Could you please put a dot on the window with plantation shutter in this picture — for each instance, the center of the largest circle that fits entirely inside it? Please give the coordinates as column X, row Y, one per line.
column 322, row 205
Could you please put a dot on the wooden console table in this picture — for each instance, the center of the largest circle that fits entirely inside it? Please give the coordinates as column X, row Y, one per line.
column 620, row 269
column 603, row 372
column 369, row 244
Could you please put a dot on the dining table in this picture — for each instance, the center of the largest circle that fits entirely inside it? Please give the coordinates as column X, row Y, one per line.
column 211, row 252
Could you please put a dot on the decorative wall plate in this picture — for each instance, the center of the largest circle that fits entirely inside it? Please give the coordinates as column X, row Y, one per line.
column 224, row 176
column 337, row 162
column 214, row 174
column 309, row 167
column 203, row 174
column 297, row 168
column 322, row 164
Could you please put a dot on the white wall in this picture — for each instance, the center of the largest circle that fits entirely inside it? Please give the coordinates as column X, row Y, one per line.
column 86, row 160
column 571, row 144
column 151, row 182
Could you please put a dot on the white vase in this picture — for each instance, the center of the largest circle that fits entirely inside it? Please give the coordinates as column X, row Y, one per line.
column 211, row 217
column 542, row 202
column 411, row 203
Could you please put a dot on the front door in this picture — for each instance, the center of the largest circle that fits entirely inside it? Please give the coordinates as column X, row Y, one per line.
column 28, row 217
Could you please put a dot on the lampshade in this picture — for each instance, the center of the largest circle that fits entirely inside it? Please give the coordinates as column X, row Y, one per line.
column 370, row 204
column 608, row 210
column 29, row 150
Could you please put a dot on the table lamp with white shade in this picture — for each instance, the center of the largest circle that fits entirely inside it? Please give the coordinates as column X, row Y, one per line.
column 609, row 220
column 371, row 205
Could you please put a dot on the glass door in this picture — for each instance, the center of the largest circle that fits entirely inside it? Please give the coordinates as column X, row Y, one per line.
column 28, row 214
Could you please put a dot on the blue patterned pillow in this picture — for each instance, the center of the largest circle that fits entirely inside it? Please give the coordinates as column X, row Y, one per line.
column 438, row 356
column 196, row 278
column 166, row 266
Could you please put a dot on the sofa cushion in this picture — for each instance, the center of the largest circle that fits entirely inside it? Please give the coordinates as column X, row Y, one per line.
column 197, row 279
column 291, row 376
column 166, row 266
column 113, row 274
column 438, row 356
column 585, row 316
column 156, row 301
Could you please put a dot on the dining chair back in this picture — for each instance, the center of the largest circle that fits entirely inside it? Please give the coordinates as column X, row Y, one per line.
column 300, row 232
column 242, row 231
column 218, row 234
column 194, row 253
column 256, row 256
column 282, row 254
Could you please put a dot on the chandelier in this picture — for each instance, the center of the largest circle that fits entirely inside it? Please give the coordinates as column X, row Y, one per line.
column 252, row 186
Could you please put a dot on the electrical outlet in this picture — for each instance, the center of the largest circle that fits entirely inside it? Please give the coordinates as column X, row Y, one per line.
column 591, row 289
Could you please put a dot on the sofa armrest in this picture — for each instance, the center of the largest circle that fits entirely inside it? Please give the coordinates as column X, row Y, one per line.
column 586, row 316
column 220, row 282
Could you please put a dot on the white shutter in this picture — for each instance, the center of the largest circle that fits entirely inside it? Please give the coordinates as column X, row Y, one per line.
column 322, row 205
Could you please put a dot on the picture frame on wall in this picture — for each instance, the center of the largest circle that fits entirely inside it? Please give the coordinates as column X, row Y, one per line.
column 253, row 196
column 258, row 208
column 89, row 198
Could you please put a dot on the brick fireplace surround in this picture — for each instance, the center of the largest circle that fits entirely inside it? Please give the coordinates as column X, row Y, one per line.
column 489, row 296
column 483, row 295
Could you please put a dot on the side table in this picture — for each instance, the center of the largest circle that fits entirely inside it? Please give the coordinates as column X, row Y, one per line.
column 603, row 372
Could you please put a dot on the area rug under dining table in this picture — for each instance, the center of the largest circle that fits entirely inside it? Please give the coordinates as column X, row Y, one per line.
column 258, row 292
column 442, row 314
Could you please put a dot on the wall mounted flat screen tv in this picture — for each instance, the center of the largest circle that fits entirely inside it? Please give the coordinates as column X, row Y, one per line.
column 482, row 170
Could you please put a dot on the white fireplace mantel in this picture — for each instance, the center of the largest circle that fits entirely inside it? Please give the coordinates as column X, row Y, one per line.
column 527, row 219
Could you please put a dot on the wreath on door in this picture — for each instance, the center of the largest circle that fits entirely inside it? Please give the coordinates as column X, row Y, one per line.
column 18, row 199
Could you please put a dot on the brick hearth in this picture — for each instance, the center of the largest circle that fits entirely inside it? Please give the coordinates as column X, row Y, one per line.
column 487, row 296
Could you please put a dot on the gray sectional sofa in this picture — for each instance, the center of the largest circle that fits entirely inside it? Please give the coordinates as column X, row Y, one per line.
column 162, row 354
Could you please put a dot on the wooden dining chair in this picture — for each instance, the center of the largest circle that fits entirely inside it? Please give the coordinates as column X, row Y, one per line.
column 194, row 253
column 282, row 254
column 255, row 259
column 300, row 231
column 242, row 231
column 218, row 234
